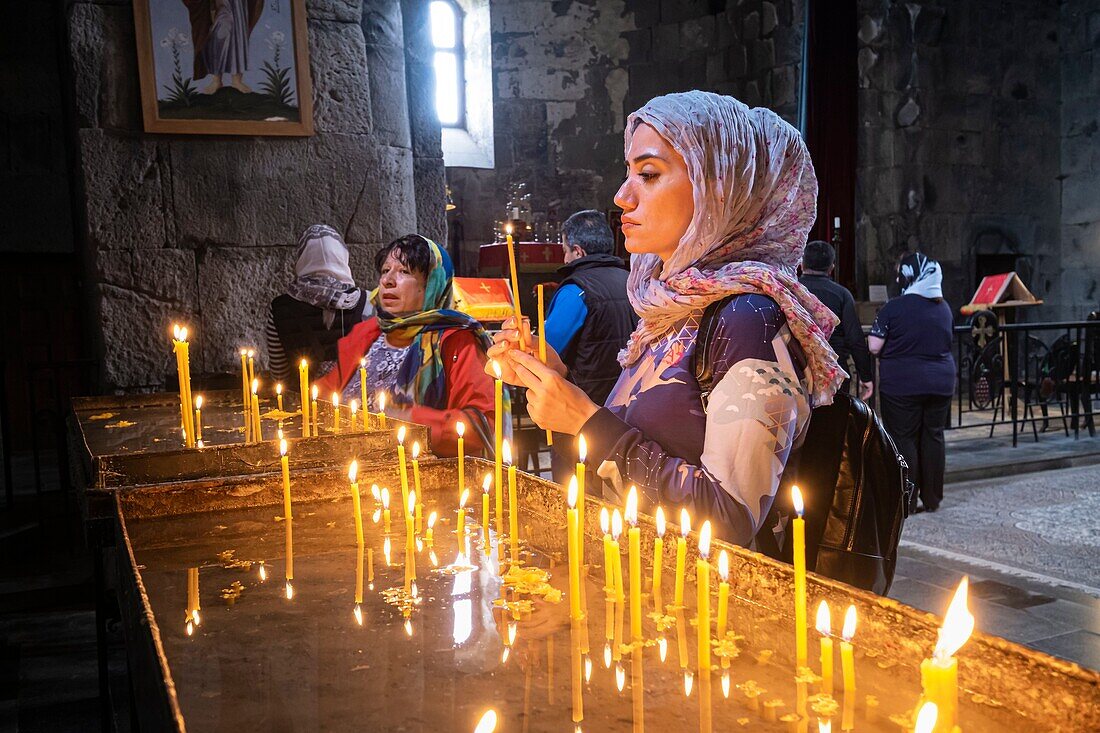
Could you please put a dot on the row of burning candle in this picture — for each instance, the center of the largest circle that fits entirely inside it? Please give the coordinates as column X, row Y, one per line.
column 939, row 674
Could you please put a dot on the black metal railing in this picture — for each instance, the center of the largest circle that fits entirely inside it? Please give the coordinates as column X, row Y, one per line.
column 1018, row 374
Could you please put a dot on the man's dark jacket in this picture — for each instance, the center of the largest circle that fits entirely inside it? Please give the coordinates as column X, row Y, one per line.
column 592, row 353
column 847, row 338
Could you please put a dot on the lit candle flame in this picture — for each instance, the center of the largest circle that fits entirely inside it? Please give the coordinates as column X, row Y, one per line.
column 726, row 684
column 824, row 622
column 195, row 616
column 632, row 506
column 620, row 677
column 255, row 386
column 496, row 369
column 401, row 435
column 263, row 572
column 582, row 448
column 662, row 648
column 488, row 722
column 251, row 352
column 660, row 521
column 605, row 520
column 183, row 333
column 506, row 452
column 462, row 499
column 432, row 517
column 958, row 624
column 358, row 613
column 376, row 492
column 685, row 523
column 385, row 498
column 796, row 499
column 507, row 228
column 926, row 718
column 314, row 391
column 572, row 493
column 460, row 428
column 363, row 363
column 849, row 630
column 704, row 540
column 282, row 447
column 616, row 524
column 381, row 401
column 190, row 627
column 198, row 402
column 278, row 388
column 176, row 333
column 416, row 450
column 301, row 365
column 335, row 399
column 689, row 681
column 411, row 508
column 486, row 482
column 587, row 669
column 289, row 590
column 353, row 406
column 724, row 566
column 353, row 471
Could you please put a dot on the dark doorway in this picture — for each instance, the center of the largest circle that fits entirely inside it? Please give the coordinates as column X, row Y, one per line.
column 831, row 124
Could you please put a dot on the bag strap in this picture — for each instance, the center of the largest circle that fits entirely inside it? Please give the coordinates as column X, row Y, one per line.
column 708, row 325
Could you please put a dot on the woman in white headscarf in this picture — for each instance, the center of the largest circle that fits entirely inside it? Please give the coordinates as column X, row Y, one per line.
column 912, row 339
column 717, row 203
column 320, row 305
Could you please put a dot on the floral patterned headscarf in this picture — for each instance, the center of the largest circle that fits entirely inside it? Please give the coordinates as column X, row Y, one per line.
column 755, row 196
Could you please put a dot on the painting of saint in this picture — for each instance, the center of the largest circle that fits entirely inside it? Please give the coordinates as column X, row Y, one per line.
column 224, row 66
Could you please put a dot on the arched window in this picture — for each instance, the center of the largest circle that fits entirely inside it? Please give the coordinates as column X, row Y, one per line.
column 449, row 63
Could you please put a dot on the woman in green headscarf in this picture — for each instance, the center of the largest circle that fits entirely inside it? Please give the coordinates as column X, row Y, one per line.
column 428, row 359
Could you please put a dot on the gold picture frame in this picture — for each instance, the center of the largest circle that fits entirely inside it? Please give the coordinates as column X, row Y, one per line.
column 224, row 67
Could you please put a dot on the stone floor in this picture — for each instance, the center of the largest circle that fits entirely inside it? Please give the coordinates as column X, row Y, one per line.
column 1030, row 545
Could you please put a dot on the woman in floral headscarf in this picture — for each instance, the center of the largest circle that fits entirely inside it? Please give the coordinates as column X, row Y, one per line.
column 717, row 202
column 427, row 358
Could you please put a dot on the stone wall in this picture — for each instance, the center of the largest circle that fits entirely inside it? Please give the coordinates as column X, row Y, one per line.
column 1079, row 284
column 202, row 229
column 566, row 75
column 959, row 137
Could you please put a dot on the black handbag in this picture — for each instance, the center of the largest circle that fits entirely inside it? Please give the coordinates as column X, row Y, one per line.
column 853, row 480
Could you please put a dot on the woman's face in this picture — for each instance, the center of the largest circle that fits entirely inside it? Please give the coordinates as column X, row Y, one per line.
column 656, row 197
column 400, row 290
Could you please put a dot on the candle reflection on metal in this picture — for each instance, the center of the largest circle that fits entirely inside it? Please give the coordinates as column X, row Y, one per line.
column 488, row 722
column 681, row 639
column 620, row 677
column 464, row 622
column 263, row 572
column 587, row 669
column 376, row 493
column 433, row 558
column 408, row 627
column 575, row 665
column 824, row 726
column 357, row 611
column 725, row 684
column 513, row 628
column 689, row 682
column 607, row 655
column 926, row 718
column 289, row 590
column 705, row 715
column 662, row 648
column 386, row 551
column 504, row 655
column 637, row 689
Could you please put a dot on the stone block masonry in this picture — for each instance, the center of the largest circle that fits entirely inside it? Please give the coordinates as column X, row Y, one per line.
column 202, row 229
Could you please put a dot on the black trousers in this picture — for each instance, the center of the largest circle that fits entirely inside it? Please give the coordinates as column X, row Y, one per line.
column 916, row 424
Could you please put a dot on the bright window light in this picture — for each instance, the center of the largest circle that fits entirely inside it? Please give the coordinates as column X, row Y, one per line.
column 450, row 92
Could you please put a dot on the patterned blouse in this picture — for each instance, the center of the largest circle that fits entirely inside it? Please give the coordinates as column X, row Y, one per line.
column 722, row 463
column 383, row 362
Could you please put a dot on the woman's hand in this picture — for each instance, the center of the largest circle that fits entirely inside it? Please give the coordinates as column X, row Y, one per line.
column 507, row 340
column 552, row 402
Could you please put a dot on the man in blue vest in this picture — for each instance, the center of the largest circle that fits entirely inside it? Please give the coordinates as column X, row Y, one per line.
column 590, row 317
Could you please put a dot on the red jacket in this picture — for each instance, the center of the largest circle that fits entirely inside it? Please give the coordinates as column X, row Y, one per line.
column 468, row 386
